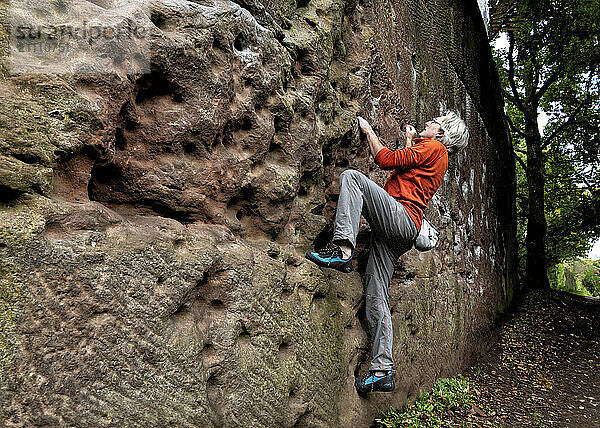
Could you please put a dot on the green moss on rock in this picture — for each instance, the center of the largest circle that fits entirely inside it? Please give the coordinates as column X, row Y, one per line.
column 18, row 226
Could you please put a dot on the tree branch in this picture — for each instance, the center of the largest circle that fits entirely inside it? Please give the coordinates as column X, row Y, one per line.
column 571, row 121
column 514, row 127
column 572, row 118
column 567, row 163
column 521, row 161
column 511, row 142
column 585, row 181
column 508, row 96
column 553, row 78
column 511, row 76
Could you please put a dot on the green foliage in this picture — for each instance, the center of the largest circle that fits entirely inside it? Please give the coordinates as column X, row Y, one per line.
column 430, row 408
column 552, row 65
column 591, row 281
column 572, row 211
column 576, row 276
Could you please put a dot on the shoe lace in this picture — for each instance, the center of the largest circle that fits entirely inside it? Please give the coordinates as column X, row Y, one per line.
column 330, row 251
column 366, row 376
column 372, row 373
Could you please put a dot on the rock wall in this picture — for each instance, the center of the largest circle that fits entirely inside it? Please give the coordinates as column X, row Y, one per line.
column 153, row 226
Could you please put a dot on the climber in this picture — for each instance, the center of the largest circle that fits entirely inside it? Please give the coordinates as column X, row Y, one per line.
column 395, row 214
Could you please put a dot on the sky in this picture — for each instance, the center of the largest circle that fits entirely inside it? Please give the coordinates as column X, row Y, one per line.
column 594, row 253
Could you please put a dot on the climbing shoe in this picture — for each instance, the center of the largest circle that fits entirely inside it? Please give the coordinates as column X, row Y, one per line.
column 372, row 383
column 331, row 257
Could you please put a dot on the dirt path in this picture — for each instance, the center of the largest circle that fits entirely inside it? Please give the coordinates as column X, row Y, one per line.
column 544, row 371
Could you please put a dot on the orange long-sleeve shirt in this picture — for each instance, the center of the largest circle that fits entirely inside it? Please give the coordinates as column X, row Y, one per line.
column 418, row 172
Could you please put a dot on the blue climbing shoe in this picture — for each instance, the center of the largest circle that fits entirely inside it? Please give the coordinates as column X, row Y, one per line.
column 331, row 257
column 372, row 383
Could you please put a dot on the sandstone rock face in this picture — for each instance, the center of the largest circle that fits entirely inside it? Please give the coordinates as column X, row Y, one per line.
column 153, row 226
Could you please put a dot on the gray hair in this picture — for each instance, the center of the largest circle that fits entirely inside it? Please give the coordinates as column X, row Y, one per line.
column 456, row 134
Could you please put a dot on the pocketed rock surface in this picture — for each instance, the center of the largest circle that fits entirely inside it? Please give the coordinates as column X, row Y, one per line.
column 153, row 226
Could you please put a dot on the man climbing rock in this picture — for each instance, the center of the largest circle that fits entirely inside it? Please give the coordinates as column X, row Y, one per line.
column 395, row 214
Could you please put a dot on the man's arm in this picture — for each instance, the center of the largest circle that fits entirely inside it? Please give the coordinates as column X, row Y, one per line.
column 374, row 144
column 406, row 158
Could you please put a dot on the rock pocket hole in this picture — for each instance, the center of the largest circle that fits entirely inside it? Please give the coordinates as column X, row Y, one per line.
column 181, row 309
column 154, row 85
column 273, row 253
column 240, row 43
column 120, row 140
column 285, row 350
column 169, row 212
column 318, row 210
column 280, row 125
column 8, row 195
column 158, row 19
column 413, row 329
column 104, row 180
column 245, row 124
column 241, row 206
column 210, row 357
column 28, row 158
column 302, row 3
column 320, row 294
column 328, row 156
column 217, row 304
column 220, row 45
column 305, row 183
column 305, row 64
column 346, row 140
column 189, row 147
column 202, row 281
column 311, row 22
column 275, row 147
column 128, row 117
column 244, row 337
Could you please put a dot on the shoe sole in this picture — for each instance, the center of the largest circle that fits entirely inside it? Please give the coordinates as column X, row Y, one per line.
column 364, row 393
column 345, row 268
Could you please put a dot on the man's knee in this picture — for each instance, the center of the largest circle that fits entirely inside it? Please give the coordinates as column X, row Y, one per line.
column 352, row 174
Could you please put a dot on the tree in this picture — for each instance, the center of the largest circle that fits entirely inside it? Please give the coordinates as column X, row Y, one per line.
column 552, row 65
column 591, row 281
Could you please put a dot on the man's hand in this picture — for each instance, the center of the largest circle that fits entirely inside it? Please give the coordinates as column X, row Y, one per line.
column 364, row 125
column 374, row 144
column 411, row 133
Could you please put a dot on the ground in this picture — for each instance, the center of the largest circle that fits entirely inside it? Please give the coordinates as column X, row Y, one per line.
column 544, row 371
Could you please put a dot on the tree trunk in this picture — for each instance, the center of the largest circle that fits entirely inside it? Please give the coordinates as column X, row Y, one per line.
column 536, row 274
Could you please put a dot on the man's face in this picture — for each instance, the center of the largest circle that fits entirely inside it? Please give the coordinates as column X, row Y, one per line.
column 433, row 128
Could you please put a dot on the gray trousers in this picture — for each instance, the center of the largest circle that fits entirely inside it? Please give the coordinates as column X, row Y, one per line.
column 392, row 234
